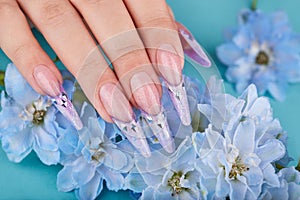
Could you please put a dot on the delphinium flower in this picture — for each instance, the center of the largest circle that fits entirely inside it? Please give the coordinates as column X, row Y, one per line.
column 166, row 176
column 170, row 176
column 89, row 157
column 262, row 50
column 289, row 186
column 237, row 152
column 28, row 121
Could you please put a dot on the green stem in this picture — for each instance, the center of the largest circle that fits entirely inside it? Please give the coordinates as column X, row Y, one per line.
column 2, row 74
column 298, row 166
column 254, row 5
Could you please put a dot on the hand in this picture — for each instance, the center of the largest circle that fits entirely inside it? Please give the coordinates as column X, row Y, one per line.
column 140, row 39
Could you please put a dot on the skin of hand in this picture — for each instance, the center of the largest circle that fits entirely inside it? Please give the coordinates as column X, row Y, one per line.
column 139, row 37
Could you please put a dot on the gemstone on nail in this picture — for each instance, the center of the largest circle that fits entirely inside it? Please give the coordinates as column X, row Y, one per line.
column 180, row 101
column 161, row 130
column 134, row 133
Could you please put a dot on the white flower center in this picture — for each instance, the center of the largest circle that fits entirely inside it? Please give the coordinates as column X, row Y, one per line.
column 175, row 183
column 237, row 168
column 36, row 111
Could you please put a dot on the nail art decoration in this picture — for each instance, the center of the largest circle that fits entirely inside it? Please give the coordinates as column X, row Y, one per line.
column 134, row 133
column 171, row 71
column 191, row 47
column 65, row 106
column 51, row 86
column 161, row 130
column 179, row 98
column 118, row 107
column 147, row 97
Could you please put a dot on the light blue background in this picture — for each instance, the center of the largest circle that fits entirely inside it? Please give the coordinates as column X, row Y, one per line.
column 206, row 19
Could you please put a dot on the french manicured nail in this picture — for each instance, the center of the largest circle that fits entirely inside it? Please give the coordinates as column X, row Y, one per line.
column 171, row 71
column 52, row 87
column 147, row 97
column 169, row 64
column 118, row 107
column 191, row 47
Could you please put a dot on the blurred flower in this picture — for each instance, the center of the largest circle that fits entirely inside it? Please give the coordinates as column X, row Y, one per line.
column 27, row 121
column 89, row 158
column 236, row 152
column 289, row 186
column 166, row 177
column 262, row 50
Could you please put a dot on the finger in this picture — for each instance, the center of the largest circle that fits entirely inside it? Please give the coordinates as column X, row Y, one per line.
column 113, row 27
column 67, row 35
column 19, row 44
column 120, row 41
column 160, row 36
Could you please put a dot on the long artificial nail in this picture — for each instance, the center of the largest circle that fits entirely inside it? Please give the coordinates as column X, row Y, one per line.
column 170, row 69
column 51, row 86
column 191, row 47
column 147, row 97
column 118, row 107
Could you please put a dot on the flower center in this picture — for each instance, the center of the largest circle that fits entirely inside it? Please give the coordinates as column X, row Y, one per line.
column 238, row 168
column 262, row 58
column 38, row 117
column 174, row 183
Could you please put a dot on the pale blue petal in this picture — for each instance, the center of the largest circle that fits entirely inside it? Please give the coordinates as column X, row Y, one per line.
column 114, row 181
column 270, row 177
column 44, row 140
column 271, row 151
column 254, row 176
column 222, row 186
column 244, row 137
column 92, row 189
column 47, row 157
column 65, row 180
column 229, row 53
column 116, row 159
column 277, row 90
column 17, row 87
column 237, row 190
column 83, row 172
column 135, row 182
column 18, row 145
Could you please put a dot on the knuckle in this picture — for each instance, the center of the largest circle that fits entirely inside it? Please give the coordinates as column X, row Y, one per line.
column 7, row 9
column 88, row 2
column 53, row 13
column 21, row 51
column 158, row 21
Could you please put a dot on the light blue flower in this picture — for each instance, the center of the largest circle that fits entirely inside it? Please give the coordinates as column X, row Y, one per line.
column 27, row 121
column 89, row 158
column 289, row 186
column 225, row 113
column 262, row 50
column 237, row 150
column 166, row 177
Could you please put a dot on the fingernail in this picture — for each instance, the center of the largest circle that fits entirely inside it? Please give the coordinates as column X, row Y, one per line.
column 180, row 101
column 191, row 47
column 118, row 107
column 171, row 71
column 145, row 93
column 147, row 97
column 169, row 64
column 47, row 80
column 161, row 130
column 52, row 87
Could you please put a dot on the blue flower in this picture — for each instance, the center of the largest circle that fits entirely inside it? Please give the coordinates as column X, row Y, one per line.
column 289, row 186
column 237, row 150
column 89, row 158
column 166, row 177
column 27, row 121
column 262, row 50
